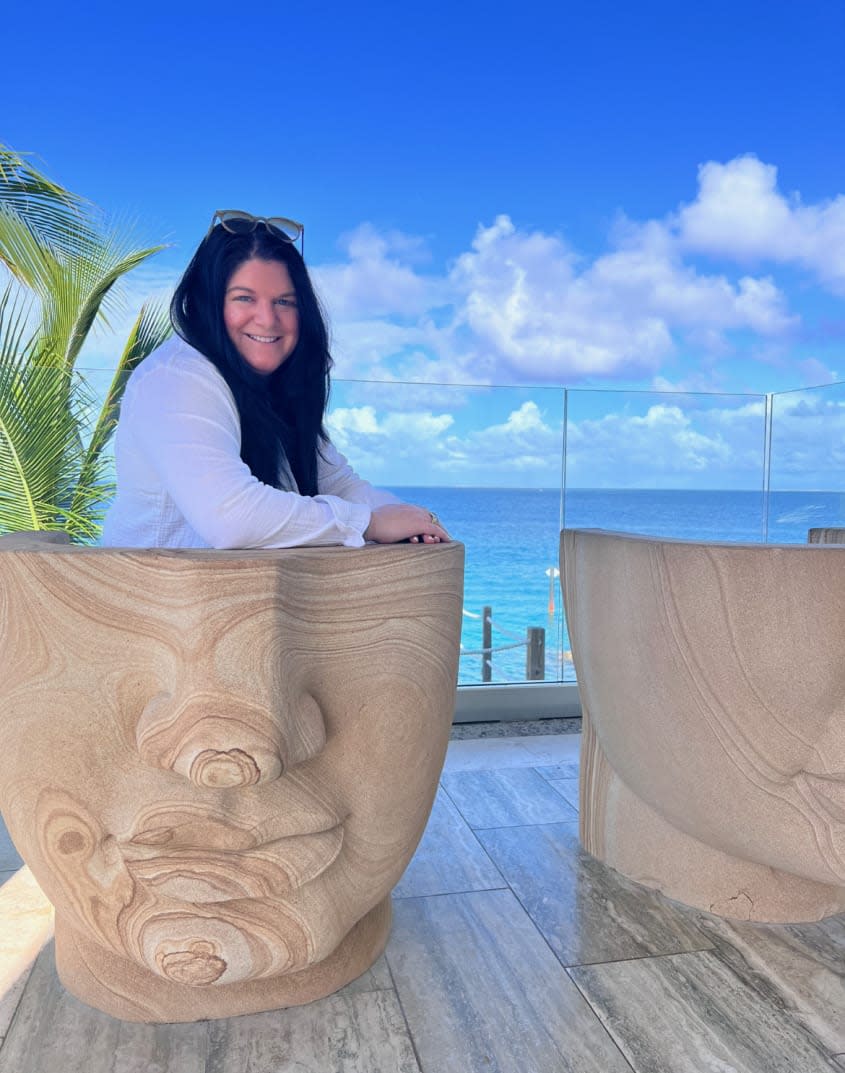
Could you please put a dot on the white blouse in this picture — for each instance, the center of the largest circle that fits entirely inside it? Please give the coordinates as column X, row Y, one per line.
column 181, row 482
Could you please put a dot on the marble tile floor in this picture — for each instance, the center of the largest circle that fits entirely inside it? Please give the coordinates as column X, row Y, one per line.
column 512, row 951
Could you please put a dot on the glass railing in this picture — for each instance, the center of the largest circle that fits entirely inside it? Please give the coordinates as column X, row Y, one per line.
column 488, row 462
column 806, row 478
column 506, row 467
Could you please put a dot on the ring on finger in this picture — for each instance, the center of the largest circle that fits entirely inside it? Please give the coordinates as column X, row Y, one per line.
column 434, row 519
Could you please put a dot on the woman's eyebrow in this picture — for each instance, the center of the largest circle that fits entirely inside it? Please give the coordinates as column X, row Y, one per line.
column 249, row 290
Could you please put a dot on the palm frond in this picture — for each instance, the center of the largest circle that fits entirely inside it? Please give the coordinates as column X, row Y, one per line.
column 151, row 328
column 55, row 217
column 73, row 292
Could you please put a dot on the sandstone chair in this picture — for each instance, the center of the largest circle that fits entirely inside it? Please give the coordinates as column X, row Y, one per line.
column 218, row 764
column 826, row 536
column 712, row 682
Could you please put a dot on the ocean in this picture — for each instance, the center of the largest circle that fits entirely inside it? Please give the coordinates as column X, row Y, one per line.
column 512, row 537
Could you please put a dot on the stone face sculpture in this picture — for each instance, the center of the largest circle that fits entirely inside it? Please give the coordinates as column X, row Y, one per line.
column 712, row 682
column 218, row 764
column 826, row 536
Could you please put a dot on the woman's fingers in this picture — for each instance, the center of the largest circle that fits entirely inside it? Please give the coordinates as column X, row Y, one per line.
column 404, row 521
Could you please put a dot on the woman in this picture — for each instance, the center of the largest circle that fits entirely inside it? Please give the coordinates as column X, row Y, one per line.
column 221, row 441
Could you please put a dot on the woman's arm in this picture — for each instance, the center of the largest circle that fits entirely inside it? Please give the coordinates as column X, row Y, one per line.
column 392, row 520
column 336, row 477
column 184, row 421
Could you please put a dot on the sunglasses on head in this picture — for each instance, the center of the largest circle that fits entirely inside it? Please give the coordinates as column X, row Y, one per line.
column 242, row 223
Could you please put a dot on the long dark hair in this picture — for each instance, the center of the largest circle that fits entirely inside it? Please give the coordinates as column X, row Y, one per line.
column 281, row 415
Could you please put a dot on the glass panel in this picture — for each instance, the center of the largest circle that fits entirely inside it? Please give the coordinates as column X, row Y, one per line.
column 807, row 462
column 689, row 466
column 488, row 462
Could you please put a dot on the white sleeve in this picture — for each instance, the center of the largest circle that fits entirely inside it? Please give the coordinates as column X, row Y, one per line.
column 186, row 423
column 336, row 477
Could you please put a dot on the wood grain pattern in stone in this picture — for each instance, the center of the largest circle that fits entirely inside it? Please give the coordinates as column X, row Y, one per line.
column 53, row 1032
column 362, row 1033
column 569, row 790
column 801, row 966
column 505, row 798
column 482, row 993
column 712, row 682
column 218, row 764
column 690, row 1013
column 553, row 772
column 586, row 911
column 449, row 859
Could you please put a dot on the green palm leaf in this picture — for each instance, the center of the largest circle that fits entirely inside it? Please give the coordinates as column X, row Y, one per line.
column 149, row 331
column 73, row 292
column 67, row 267
column 54, row 216
column 40, row 449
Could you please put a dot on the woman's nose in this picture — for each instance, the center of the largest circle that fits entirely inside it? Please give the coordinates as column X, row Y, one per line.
column 219, row 741
column 266, row 313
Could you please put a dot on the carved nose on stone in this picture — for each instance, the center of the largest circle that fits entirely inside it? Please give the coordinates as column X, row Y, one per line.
column 214, row 745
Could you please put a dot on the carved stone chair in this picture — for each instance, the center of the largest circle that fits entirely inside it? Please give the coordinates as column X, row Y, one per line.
column 712, row 682
column 218, row 764
column 826, row 536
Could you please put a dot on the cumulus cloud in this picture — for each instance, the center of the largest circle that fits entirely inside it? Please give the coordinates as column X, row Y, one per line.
column 522, row 306
column 739, row 213
column 378, row 277
column 398, row 447
column 667, row 445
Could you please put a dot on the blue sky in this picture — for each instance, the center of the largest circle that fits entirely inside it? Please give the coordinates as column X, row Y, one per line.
column 642, row 196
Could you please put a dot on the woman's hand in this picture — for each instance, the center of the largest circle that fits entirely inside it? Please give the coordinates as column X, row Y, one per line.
column 403, row 521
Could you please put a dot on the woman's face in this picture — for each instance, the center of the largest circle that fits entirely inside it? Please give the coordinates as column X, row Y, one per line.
column 260, row 314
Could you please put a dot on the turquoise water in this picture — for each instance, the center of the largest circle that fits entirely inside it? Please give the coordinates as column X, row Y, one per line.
column 512, row 538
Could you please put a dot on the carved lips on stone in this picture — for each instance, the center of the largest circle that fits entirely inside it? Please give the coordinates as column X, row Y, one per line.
column 195, row 874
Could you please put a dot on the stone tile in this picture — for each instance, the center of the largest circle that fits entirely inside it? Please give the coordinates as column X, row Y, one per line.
column 10, row 998
column 482, row 754
column 10, row 859
column 799, row 966
column 26, row 924
column 839, row 1060
column 586, row 911
column 506, row 798
column 690, row 1012
column 449, row 859
column 482, row 992
column 54, row 1033
column 568, row 770
column 568, row 789
column 554, row 748
column 376, row 978
column 363, row 1033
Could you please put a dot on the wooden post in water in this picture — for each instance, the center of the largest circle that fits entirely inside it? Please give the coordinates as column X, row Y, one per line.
column 487, row 644
column 535, row 654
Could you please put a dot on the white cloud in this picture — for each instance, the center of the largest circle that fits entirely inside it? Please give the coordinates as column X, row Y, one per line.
column 376, row 278
column 396, row 447
column 740, row 214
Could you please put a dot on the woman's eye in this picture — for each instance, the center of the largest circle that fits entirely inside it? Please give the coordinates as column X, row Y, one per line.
column 289, row 303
